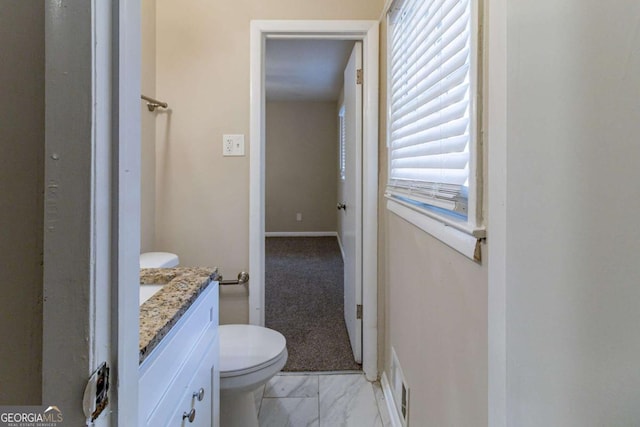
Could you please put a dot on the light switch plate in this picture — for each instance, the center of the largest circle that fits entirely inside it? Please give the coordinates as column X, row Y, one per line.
column 233, row 145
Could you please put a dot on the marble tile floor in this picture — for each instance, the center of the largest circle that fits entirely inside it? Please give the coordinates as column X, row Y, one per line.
column 321, row 400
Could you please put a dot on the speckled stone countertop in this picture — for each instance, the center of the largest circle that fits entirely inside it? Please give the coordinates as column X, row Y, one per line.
column 160, row 312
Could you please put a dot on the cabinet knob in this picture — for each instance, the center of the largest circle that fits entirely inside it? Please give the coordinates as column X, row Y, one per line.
column 199, row 395
column 191, row 415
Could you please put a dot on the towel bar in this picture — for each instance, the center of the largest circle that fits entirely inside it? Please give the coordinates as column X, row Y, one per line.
column 243, row 277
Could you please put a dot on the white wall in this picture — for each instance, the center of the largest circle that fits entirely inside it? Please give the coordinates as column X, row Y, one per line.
column 21, row 201
column 148, row 128
column 301, row 166
column 573, row 203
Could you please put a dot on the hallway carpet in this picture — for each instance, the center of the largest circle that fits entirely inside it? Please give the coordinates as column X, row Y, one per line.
column 304, row 301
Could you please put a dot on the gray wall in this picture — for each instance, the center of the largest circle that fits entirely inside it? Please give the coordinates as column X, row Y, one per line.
column 21, row 201
column 301, row 166
column 573, row 203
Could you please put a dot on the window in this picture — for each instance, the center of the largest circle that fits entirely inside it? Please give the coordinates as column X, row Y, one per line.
column 342, row 165
column 433, row 148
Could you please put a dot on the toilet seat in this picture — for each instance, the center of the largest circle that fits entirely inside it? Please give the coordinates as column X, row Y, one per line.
column 247, row 348
column 231, row 374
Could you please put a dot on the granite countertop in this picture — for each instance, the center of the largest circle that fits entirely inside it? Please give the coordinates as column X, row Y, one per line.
column 160, row 312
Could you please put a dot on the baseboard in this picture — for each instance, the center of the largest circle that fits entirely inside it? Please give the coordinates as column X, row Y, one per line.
column 300, row 234
column 391, row 404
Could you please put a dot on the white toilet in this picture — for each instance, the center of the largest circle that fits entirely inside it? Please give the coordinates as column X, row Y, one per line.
column 158, row 260
column 155, row 260
column 249, row 357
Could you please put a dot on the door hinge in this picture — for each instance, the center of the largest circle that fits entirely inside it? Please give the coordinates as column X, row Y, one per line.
column 359, row 76
column 359, row 311
column 96, row 392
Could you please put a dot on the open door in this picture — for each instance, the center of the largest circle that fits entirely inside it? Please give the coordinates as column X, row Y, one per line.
column 350, row 204
column 367, row 33
column 91, row 216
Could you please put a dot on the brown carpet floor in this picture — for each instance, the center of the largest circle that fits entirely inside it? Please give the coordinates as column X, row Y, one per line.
column 304, row 300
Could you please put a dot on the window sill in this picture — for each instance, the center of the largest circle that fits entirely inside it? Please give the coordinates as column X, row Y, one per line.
column 458, row 235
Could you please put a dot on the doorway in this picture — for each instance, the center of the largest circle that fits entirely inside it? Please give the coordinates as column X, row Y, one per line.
column 366, row 270
column 305, row 285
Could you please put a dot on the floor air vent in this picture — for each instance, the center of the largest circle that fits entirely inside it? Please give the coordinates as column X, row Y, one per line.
column 400, row 389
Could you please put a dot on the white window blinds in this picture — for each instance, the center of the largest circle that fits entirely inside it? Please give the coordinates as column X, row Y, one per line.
column 429, row 117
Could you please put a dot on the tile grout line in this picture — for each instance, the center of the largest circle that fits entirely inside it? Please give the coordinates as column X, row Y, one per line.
column 264, row 389
column 375, row 397
column 312, row 373
column 290, row 398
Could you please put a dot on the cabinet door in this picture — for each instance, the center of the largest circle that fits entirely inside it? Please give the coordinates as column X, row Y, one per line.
column 199, row 398
column 185, row 363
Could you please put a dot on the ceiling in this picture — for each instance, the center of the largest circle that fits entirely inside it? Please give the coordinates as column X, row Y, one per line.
column 305, row 70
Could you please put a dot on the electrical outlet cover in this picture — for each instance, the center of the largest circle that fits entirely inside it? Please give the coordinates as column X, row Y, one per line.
column 233, row 145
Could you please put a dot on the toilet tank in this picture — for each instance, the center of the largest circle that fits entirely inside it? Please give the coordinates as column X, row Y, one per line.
column 158, row 260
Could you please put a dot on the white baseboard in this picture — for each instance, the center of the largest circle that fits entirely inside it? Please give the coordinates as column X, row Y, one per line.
column 300, row 234
column 391, row 404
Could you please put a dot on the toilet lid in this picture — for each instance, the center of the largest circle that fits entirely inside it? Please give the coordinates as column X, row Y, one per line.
column 158, row 260
column 243, row 347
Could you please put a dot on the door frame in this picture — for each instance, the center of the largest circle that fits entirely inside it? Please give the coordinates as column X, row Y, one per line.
column 92, row 213
column 363, row 30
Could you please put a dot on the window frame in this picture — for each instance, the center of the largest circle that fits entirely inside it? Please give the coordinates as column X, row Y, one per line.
column 462, row 235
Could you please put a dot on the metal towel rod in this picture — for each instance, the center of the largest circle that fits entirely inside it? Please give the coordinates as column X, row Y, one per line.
column 152, row 104
column 243, row 277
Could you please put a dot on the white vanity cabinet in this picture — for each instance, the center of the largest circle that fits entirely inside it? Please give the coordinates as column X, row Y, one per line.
column 179, row 379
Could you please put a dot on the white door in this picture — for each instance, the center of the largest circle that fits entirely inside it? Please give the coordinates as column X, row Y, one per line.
column 91, row 208
column 350, row 192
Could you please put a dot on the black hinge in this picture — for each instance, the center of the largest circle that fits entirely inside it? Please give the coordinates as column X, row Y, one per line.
column 359, row 76
column 359, row 311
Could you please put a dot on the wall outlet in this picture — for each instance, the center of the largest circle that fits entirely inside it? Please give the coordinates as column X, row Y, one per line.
column 299, row 217
column 233, row 145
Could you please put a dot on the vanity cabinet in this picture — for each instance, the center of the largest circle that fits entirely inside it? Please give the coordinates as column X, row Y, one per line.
column 179, row 379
